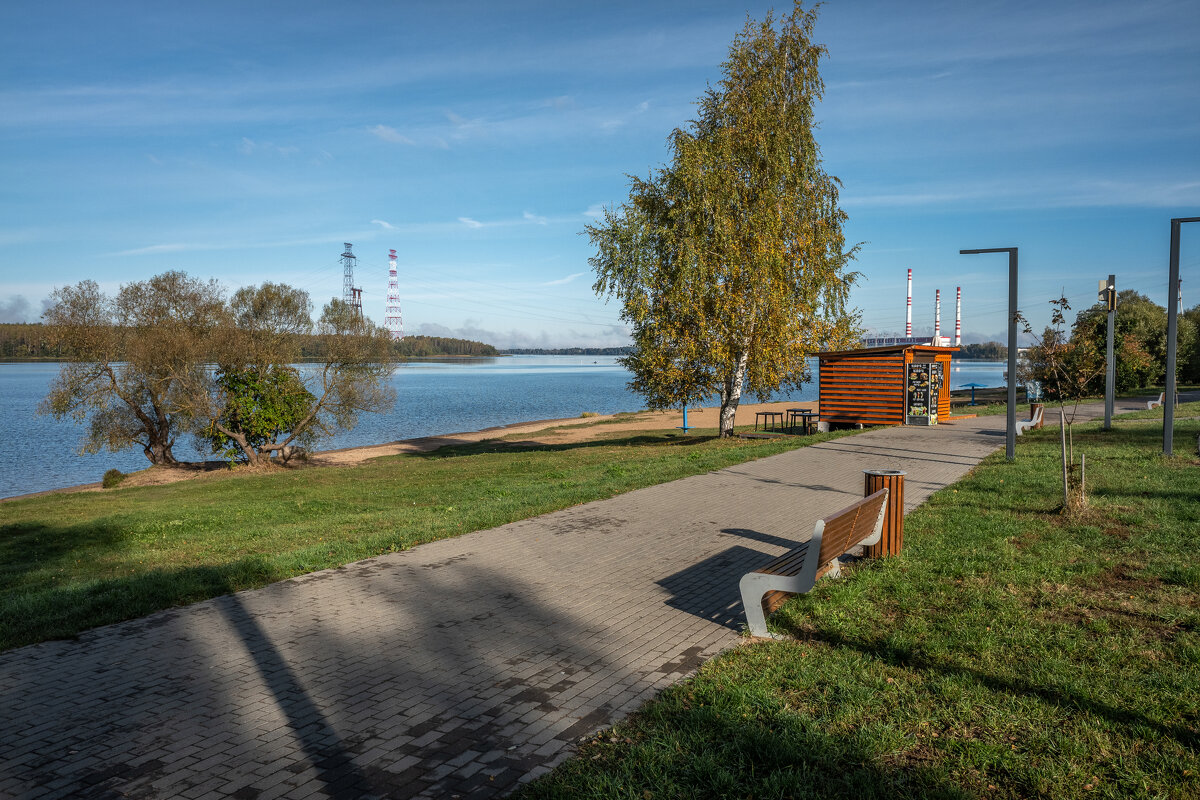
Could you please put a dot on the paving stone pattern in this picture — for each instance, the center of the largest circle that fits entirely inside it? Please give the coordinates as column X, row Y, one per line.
column 462, row 667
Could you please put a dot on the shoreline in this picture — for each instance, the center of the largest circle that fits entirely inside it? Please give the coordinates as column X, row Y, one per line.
column 555, row 431
column 703, row 417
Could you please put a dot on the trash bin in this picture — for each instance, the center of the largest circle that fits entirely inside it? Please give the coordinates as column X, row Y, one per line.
column 1033, row 410
column 893, row 517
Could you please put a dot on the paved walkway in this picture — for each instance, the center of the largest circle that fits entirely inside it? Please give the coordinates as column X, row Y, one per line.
column 461, row 667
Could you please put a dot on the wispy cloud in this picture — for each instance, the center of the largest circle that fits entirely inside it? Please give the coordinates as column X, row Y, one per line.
column 156, row 249
column 567, row 279
column 387, row 226
column 534, row 218
column 594, row 211
column 249, row 147
column 389, row 134
column 470, row 223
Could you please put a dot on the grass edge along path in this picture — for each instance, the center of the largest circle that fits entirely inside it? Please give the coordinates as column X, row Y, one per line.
column 1010, row 651
column 74, row 561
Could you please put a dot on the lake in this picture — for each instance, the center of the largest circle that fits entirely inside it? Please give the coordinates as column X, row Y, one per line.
column 433, row 397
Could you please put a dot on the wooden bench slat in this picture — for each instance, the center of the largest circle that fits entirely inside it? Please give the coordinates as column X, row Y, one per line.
column 768, row 587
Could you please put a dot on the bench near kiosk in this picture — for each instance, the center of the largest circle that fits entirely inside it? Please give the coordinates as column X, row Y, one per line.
column 795, row 572
column 1162, row 398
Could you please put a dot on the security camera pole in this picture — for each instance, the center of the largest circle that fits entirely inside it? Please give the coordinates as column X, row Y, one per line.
column 1108, row 294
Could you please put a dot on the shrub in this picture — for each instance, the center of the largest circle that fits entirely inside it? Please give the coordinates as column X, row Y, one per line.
column 113, row 478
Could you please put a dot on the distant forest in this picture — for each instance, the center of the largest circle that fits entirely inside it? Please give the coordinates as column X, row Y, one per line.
column 569, row 351
column 987, row 351
column 27, row 341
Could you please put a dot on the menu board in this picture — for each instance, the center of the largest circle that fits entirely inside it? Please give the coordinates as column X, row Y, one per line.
column 919, row 391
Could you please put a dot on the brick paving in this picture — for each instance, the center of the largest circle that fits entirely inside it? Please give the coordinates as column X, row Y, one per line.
column 460, row 668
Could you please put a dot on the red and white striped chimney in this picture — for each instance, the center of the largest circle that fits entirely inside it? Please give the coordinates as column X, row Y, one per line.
column 958, row 317
column 908, row 311
column 937, row 317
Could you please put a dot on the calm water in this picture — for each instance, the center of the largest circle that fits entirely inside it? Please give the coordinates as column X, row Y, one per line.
column 38, row 452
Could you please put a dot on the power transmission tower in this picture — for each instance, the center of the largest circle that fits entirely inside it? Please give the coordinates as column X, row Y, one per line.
column 394, row 322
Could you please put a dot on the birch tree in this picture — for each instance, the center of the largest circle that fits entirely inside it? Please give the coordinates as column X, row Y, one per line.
column 730, row 262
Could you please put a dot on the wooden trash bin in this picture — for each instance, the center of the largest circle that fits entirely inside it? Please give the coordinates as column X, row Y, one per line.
column 893, row 519
column 1033, row 409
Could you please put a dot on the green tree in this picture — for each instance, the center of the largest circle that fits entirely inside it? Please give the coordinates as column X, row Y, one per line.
column 730, row 263
column 1139, row 340
column 133, row 361
column 1189, row 370
column 258, row 406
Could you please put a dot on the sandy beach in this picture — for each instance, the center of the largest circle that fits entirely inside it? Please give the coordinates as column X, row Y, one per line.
column 525, row 434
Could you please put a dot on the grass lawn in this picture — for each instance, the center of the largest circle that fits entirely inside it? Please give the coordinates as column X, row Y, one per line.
column 69, row 562
column 1011, row 651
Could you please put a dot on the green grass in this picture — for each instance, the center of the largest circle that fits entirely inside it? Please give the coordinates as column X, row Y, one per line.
column 69, row 562
column 1182, row 410
column 1010, row 651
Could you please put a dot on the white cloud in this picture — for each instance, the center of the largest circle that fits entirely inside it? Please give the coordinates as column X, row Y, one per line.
column 390, row 134
column 16, row 309
column 567, row 279
column 594, row 211
column 470, row 223
column 387, row 226
column 535, row 218
column 246, row 146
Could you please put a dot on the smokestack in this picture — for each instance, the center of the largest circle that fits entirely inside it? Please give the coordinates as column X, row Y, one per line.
column 958, row 317
column 908, row 311
column 937, row 317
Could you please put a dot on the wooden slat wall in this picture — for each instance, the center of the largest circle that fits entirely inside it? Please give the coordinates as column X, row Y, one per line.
column 865, row 388
column 944, row 394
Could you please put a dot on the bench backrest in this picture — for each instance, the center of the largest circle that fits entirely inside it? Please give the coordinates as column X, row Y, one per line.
column 851, row 525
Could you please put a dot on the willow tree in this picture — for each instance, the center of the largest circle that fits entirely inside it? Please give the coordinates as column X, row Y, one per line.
column 133, row 362
column 730, row 261
column 258, row 405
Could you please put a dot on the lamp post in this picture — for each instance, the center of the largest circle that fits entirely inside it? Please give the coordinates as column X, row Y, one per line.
column 1010, row 444
column 1172, row 329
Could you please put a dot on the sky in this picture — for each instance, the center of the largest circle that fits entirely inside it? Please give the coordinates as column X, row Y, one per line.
column 247, row 141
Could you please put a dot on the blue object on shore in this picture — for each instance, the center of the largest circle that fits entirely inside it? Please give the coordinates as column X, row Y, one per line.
column 684, row 427
column 972, row 387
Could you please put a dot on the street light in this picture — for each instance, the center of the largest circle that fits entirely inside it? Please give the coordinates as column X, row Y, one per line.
column 1010, row 444
column 1172, row 327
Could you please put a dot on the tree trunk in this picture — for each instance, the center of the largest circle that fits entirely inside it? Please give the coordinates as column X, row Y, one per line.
column 159, row 452
column 731, row 393
column 253, row 457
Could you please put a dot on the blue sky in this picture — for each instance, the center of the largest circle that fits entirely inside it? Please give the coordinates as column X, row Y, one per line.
column 247, row 141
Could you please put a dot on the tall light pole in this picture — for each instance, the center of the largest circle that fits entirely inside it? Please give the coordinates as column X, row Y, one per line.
column 1108, row 294
column 1172, row 329
column 1010, row 444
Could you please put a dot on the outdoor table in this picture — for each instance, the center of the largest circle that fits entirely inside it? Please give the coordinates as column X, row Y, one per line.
column 768, row 419
column 805, row 414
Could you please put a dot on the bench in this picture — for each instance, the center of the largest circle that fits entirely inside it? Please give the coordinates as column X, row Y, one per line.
column 795, row 572
column 1029, row 424
column 1162, row 398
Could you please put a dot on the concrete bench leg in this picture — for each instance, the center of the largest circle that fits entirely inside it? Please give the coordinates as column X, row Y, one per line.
column 755, row 585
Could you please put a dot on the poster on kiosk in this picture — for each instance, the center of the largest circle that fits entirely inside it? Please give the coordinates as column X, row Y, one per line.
column 923, row 387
